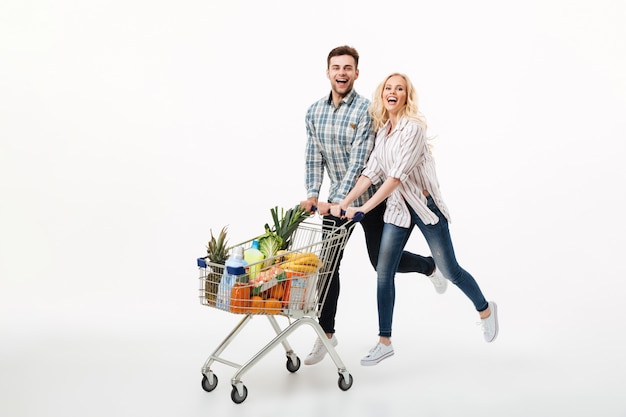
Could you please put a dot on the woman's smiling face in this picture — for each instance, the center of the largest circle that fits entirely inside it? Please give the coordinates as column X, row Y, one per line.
column 394, row 94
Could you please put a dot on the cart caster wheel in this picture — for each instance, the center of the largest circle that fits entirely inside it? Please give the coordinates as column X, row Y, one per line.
column 206, row 384
column 343, row 384
column 238, row 399
column 293, row 366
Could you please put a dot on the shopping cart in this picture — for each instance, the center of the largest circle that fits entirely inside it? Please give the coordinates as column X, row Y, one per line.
column 292, row 284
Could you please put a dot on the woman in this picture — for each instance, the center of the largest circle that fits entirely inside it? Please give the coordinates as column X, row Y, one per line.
column 401, row 160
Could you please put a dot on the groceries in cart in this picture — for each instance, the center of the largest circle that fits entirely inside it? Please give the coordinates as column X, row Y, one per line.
column 261, row 276
column 288, row 283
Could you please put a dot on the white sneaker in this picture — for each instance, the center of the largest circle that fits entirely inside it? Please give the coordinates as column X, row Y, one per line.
column 319, row 351
column 438, row 280
column 377, row 354
column 489, row 325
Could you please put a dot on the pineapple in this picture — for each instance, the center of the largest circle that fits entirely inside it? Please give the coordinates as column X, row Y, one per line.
column 216, row 248
column 217, row 252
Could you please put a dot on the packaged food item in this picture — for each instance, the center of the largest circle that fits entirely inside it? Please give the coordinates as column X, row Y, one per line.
column 240, row 298
column 296, row 291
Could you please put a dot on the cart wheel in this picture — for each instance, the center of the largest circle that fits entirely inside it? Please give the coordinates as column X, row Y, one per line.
column 238, row 399
column 206, row 384
column 293, row 366
column 343, row 384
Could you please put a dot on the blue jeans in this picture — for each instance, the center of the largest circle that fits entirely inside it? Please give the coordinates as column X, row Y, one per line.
column 437, row 236
column 373, row 226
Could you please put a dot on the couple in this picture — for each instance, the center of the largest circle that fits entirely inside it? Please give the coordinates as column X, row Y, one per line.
column 394, row 183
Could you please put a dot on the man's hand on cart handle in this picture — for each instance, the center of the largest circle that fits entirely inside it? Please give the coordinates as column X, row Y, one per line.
column 310, row 205
column 323, row 208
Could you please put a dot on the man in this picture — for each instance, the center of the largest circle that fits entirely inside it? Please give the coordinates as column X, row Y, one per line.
column 339, row 141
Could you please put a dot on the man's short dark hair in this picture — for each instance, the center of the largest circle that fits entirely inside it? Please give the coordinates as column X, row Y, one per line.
column 344, row 50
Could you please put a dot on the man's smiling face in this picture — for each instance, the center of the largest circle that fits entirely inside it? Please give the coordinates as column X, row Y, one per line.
column 342, row 72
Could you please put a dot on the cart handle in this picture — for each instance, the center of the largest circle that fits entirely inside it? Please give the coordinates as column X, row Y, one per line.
column 357, row 217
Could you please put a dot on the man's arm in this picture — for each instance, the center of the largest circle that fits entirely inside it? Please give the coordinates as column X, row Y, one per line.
column 314, row 167
column 359, row 154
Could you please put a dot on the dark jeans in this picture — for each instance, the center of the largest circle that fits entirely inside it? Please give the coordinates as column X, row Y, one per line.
column 440, row 244
column 372, row 225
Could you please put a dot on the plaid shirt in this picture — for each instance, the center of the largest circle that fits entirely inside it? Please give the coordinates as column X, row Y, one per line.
column 339, row 141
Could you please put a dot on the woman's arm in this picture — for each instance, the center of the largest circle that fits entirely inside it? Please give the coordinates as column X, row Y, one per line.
column 383, row 192
column 362, row 184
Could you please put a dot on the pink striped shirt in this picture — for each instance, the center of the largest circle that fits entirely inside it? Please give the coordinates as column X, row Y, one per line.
column 404, row 154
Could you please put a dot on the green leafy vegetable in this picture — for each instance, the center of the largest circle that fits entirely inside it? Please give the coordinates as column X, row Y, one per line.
column 270, row 243
column 287, row 223
column 278, row 237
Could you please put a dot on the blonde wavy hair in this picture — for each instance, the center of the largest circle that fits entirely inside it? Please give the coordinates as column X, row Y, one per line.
column 410, row 111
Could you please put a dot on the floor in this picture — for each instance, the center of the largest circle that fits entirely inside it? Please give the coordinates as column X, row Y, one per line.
column 144, row 358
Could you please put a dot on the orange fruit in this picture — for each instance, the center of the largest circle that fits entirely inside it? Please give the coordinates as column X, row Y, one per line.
column 272, row 306
column 256, row 305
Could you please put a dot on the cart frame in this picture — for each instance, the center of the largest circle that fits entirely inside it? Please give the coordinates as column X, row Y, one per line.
column 324, row 239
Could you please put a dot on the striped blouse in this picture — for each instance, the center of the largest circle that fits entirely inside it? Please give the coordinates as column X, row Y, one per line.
column 404, row 154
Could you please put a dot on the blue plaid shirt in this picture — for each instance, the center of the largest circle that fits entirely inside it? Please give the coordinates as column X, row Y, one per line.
column 339, row 141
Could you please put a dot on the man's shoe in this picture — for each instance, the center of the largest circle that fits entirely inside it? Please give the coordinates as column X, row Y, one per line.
column 377, row 354
column 319, row 351
column 438, row 280
column 489, row 325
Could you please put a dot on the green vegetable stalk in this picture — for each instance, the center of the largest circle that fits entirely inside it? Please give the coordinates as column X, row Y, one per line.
column 289, row 221
column 279, row 236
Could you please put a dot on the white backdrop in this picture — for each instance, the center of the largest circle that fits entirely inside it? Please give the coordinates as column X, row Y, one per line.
column 130, row 129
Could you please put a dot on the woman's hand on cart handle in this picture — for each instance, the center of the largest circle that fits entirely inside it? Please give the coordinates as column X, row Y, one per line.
column 358, row 216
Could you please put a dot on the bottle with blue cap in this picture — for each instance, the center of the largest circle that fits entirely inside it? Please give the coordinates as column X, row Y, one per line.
column 253, row 256
column 234, row 271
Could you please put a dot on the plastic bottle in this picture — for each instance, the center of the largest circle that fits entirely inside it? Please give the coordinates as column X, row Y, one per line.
column 234, row 270
column 252, row 255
